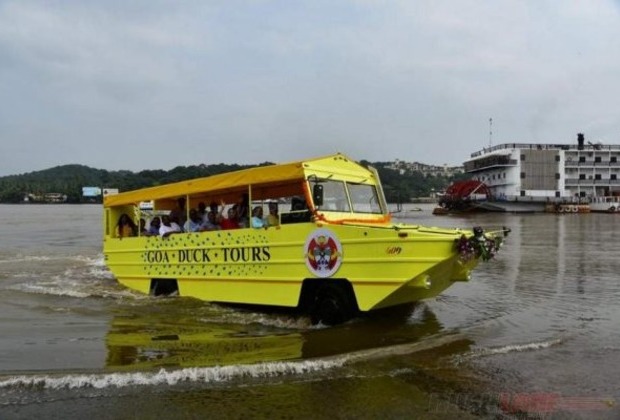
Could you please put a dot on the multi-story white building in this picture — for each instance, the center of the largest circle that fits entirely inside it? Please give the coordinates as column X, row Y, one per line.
column 548, row 172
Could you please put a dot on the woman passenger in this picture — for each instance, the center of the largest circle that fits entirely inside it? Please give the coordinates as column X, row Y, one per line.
column 125, row 227
column 257, row 218
column 231, row 221
column 272, row 218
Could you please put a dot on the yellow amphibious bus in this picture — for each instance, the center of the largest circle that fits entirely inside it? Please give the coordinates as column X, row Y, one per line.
column 333, row 250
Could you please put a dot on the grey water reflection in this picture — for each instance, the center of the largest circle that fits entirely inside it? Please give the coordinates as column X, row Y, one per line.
column 554, row 288
column 191, row 334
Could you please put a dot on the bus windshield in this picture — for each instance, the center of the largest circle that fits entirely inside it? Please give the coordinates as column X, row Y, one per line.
column 340, row 196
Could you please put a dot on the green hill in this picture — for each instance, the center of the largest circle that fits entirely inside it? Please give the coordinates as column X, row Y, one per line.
column 68, row 180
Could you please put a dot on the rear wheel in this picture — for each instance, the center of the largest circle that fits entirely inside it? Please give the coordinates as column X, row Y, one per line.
column 332, row 305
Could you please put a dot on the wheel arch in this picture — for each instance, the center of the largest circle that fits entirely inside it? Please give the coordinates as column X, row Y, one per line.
column 164, row 287
column 331, row 301
column 311, row 286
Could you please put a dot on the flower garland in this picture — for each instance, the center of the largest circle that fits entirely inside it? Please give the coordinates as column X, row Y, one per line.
column 477, row 246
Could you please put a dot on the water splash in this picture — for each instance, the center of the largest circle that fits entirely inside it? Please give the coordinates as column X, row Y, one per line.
column 511, row 348
column 78, row 289
column 82, row 276
column 29, row 258
column 164, row 377
column 218, row 374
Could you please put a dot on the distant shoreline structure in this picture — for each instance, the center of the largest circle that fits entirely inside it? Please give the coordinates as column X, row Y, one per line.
column 528, row 177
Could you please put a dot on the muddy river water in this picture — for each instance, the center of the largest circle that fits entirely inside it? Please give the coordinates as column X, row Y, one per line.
column 535, row 333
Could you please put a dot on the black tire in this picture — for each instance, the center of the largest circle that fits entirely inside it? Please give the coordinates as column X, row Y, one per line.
column 332, row 305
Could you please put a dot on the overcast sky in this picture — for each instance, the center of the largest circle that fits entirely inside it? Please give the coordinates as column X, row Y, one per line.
column 153, row 84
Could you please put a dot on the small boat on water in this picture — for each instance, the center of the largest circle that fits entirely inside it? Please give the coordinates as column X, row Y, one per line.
column 332, row 253
column 476, row 196
column 465, row 197
column 605, row 204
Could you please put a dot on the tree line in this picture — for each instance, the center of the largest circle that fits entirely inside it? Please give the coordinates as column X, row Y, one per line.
column 69, row 180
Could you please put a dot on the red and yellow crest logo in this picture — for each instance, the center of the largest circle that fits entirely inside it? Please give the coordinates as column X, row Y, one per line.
column 323, row 253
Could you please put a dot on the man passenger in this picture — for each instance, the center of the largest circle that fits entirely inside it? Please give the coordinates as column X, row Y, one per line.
column 178, row 214
column 210, row 222
column 154, row 226
column 194, row 223
column 243, row 211
column 168, row 227
column 214, row 208
column 202, row 210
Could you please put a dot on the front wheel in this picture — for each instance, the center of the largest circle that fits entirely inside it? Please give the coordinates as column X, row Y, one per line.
column 332, row 306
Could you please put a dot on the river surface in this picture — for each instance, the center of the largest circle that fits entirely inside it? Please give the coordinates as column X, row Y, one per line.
column 534, row 334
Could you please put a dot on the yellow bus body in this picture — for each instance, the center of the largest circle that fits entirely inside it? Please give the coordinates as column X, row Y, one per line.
column 385, row 263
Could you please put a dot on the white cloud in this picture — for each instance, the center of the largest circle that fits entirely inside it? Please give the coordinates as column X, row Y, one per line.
column 248, row 81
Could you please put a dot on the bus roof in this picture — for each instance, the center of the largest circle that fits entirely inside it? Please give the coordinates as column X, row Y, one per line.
column 262, row 175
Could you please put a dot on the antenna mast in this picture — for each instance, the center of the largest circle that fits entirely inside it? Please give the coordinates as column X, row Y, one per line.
column 490, row 132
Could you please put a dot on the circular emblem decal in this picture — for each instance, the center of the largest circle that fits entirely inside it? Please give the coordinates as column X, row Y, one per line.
column 323, row 253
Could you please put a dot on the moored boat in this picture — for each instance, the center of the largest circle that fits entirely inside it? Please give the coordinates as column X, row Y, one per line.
column 475, row 196
column 528, row 177
column 463, row 196
column 333, row 252
column 605, row 204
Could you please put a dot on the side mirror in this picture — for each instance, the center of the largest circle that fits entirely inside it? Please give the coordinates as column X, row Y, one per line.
column 317, row 194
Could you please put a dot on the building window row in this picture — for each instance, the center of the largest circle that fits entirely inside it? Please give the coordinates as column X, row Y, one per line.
column 597, row 159
column 597, row 176
column 492, row 177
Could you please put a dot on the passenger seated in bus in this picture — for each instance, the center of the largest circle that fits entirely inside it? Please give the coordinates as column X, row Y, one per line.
column 299, row 211
column 202, row 210
column 175, row 219
column 142, row 226
column 243, row 211
column 168, row 227
column 257, row 221
column 298, row 204
column 230, row 222
column 272, row 218
column 178, row 214
column 194, row 223
column 125, row 227
column 217, row 212
column 210, row 223
column 154, row 226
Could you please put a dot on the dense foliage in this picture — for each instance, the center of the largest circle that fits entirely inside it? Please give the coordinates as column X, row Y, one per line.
column 69, row 180
column 403, row 188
